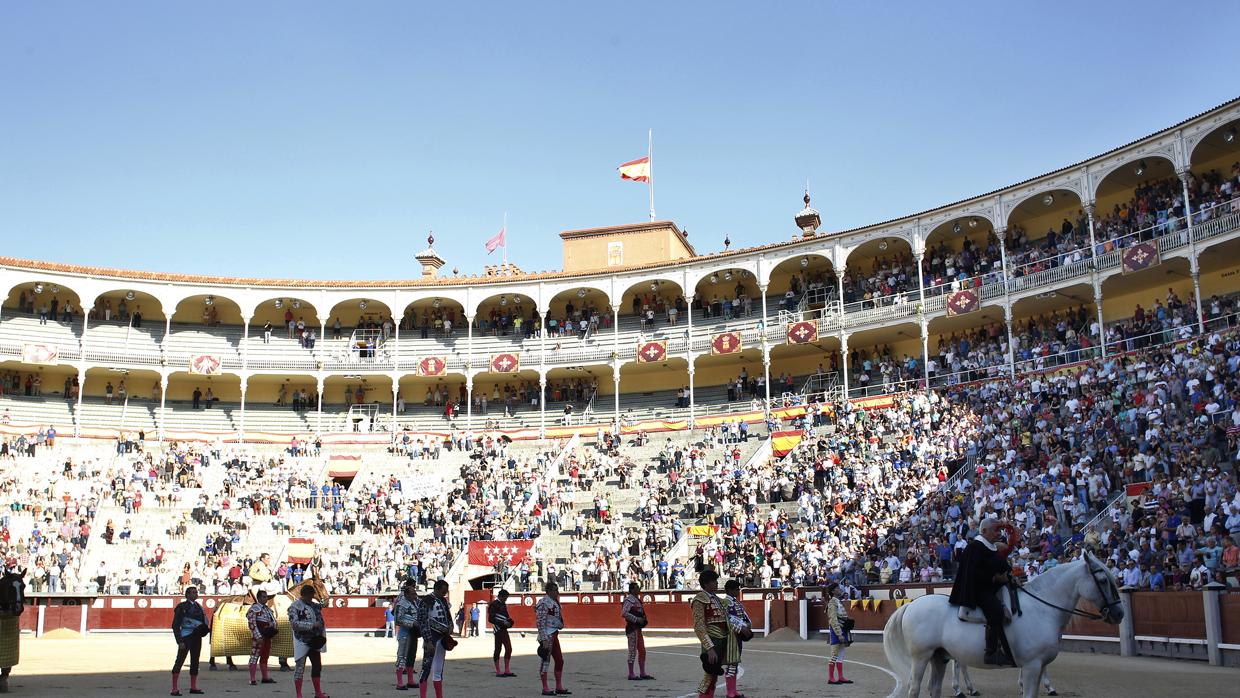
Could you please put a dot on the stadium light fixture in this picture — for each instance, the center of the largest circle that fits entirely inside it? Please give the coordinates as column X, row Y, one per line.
column 279, row 303
column 581, row 293
column 1229, row 135
column 956, row 228
column 1048, row 199
column 714, row 279
column 362, row 304
column 436, row 303
column 972, row 222
column 38, row 288
column 882, row 246
column 727, row 276
column 129, row 296
column 296, row 305
column 208, row 301
column 1140, row 169
column 804, row 262
column 503, row 300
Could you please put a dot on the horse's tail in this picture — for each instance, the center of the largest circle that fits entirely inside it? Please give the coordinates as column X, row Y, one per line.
column 897, row 652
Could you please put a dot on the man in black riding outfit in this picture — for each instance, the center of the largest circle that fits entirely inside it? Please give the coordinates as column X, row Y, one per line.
column 983, row 572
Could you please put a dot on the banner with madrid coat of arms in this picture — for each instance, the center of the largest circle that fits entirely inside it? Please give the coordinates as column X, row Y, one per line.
column 432, row 366
column 492, row 552
column 1142, row 255
column 507, row 362
column 802, row 332
column 650, row 352
column 206, row 365
column 962, row 302
column 725, row 343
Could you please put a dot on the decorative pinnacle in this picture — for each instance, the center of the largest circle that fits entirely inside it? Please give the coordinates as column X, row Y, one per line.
column 430, row 239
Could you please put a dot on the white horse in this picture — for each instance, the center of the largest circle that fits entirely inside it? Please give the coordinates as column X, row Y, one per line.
column 962, row 683
column 928, row 632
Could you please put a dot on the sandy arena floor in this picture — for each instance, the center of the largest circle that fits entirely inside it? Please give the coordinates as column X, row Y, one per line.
column 133, row 665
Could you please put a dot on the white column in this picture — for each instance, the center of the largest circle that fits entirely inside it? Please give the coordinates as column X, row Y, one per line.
column 396, row 391
column 766, row 351
column 615, row 360
column 1097, row 283
column 163, row 346
column 1102, row 328
column 1214, row 622
column 542, row 403
column 1011, row 352
column 469, row 398
column 766, row 373
column 844, row 360
column 245, row 346
column 77, row 414
column 925, row 351
column 318, row 419
column 615, row 381
column 241, row 434
column 1185, row 174
column 163, row 402
column 689, row 351
column 691, row 399
column 839, row 279
column 1001, row 233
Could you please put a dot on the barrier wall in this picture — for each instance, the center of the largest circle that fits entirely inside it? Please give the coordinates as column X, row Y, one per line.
column 1188, row 624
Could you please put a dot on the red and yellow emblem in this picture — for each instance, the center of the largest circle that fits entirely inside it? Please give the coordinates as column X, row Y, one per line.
column 206, row 364
column 432, row 366
column 650, row 352
column 507, row 362
column 962, row 302
column 802, row 332
column 726, row 343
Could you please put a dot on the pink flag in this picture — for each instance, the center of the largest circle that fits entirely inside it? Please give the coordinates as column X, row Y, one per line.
column 498, row 241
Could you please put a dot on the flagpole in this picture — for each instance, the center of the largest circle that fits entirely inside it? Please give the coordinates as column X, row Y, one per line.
column 505, row 229
column 650, row 167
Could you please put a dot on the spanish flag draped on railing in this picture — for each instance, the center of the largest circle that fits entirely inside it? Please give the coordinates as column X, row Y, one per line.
column 300, row 551
column 783, row 442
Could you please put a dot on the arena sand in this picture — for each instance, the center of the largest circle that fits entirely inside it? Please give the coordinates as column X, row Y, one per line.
column 355, row 665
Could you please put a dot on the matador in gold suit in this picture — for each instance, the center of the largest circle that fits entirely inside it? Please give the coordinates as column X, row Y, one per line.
column 710, row 624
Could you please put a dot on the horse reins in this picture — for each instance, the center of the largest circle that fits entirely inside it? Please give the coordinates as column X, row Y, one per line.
column 1076, row 611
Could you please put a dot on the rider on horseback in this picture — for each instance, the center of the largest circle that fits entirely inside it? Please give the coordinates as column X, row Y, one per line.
column 982, row 574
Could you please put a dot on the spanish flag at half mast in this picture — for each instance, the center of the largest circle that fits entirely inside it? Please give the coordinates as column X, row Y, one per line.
column 637, row 170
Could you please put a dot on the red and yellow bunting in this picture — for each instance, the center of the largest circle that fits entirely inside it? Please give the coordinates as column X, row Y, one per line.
column 962, row 302
column 802, row 332
column 726, row 343
column 432, row 366
column 507, row 362
column 651, row 352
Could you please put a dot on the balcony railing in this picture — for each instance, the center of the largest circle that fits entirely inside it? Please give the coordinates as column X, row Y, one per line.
column 114, row 346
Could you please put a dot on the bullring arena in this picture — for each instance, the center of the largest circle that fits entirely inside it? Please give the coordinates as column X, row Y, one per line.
column 831, row 412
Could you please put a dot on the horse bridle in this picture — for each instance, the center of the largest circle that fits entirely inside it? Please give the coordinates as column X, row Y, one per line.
column 1107, row 603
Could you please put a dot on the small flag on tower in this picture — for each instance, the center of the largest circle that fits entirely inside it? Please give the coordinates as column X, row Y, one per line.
column 499, row 240
column 637, row 170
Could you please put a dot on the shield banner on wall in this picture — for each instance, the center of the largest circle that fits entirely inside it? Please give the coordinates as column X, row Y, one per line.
column 206, row 365
column 802, row 332
column 507, row 362
column 1142, row 255
column 432, row 366
column 650, row 352
column 962, row 302
column 40, row 353
column 725, row 343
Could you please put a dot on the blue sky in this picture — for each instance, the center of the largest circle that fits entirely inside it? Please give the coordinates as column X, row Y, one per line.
column 323, row 140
